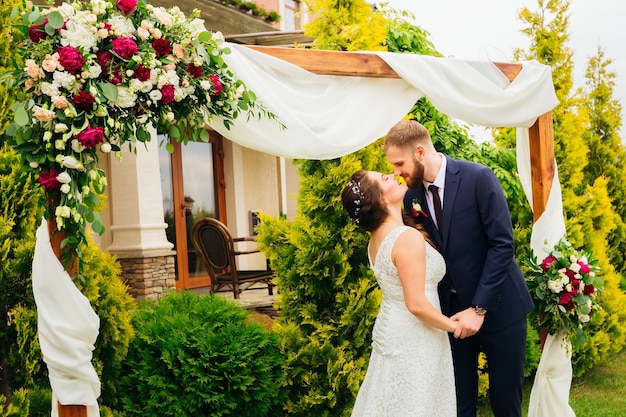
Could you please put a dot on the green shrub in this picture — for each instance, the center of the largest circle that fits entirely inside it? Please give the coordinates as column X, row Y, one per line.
column 199, row 356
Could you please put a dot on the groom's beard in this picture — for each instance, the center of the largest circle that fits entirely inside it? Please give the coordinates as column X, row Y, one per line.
column 416, row 179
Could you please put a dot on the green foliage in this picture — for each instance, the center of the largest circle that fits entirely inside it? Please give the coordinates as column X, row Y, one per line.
column 199, row 356
column 345, row 25
column 607, row 153
column 19, row 213
column 18, row 407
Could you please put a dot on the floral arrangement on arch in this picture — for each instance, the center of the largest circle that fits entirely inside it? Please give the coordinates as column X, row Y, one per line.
column 95, row 76
column 564, row 287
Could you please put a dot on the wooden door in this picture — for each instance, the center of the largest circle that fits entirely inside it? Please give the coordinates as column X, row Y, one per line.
column 192, row 184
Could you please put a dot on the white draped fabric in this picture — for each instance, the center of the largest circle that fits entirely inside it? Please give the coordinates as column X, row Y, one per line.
column 549, row 396
column 331, row 116
column 324, row 117
column 68, row 328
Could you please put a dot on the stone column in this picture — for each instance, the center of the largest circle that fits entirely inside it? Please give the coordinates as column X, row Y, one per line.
column 137, row 222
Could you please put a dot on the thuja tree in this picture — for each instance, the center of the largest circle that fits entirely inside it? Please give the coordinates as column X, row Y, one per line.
column 19, row 213
column 607, row 153
column 587, row 207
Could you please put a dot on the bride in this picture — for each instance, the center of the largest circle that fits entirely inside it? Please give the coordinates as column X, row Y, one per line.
column 410, row 369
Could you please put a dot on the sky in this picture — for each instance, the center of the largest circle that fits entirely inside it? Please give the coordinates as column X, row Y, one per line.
column 490, row 30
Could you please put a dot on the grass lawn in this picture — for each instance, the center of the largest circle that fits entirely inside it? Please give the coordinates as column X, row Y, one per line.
column 601, row 392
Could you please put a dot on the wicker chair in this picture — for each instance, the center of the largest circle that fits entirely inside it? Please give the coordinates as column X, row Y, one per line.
column 217, row 248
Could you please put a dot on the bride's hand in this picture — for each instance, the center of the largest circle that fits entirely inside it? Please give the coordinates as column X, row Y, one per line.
column 469, row 323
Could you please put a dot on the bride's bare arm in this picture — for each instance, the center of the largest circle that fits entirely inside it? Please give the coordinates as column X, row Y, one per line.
column 409, row 256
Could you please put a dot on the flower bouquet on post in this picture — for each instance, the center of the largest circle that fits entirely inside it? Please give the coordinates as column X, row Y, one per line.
column 94, row 76
column 564, row 287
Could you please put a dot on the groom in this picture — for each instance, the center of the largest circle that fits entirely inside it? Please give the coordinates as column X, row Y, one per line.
column 462, row 206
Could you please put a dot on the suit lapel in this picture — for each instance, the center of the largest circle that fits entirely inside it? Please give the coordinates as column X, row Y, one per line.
column 453, row 179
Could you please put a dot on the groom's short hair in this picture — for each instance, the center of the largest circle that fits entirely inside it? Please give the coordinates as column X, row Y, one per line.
column 406, row 134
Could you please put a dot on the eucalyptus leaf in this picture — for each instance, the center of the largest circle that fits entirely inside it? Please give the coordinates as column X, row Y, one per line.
column 55, row 20
column 109, row 90
column 21, row 116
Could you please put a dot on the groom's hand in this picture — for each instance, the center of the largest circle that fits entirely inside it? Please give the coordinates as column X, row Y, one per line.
column 469, row 323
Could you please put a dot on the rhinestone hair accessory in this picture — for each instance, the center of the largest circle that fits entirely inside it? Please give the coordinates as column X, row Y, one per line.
column 355, row 187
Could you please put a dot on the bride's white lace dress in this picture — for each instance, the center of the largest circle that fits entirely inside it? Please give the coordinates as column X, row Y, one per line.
column 410, row 370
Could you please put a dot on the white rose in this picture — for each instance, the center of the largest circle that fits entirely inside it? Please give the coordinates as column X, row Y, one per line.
column 155, row 95
column 77, row 146
column 59, row 144
column 65, row 188
column 105, row 147
column 64, row 178
column 60, row 128
column 584, row 318
column 47, row 136
column 34, row 164
column 70, row 162
column 555, row 286
column 62, row 211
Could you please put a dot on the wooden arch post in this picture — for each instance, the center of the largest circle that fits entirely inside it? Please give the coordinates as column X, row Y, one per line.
column 371, row 65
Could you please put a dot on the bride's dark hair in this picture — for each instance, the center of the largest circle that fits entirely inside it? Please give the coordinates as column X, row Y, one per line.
column 362, row 199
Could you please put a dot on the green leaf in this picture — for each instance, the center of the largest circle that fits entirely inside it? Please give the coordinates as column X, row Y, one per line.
column 109, row 90
column 174, row 133
column 55, row 20
column 21, row 116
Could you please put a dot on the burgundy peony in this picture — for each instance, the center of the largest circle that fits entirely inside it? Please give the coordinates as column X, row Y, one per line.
column 547, row 263
column 162, row 47
column 104, row 58
column 125, row 48
column 217, row 85
column 71, row 59
column 589, row 289
column 37, row 33
column 167, row 94
column 126, row 6
column 48, row 179
column 194, row 70
column 83, row 101
column 116, row 77
column 567, row 301
column 91, row 137
column 142, row 73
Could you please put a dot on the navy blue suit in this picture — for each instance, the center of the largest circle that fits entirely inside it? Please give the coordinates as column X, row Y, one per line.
column 478, row 247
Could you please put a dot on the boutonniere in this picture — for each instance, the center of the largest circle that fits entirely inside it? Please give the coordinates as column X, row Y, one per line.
column 416, row 209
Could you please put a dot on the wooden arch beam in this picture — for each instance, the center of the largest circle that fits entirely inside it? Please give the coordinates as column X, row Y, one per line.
column 365, row 64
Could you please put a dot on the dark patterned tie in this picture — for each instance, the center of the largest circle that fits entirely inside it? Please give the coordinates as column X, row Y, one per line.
column 437, row 205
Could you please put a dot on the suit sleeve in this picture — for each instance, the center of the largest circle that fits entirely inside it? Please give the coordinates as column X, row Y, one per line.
column 496, row 221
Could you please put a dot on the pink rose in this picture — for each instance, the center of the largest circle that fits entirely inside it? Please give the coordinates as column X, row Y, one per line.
column 91, row 137
column 126, row 6
column 125, row 48
column 584, row 268
column 217, row 85
column 547, row 263
column 71, row 59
